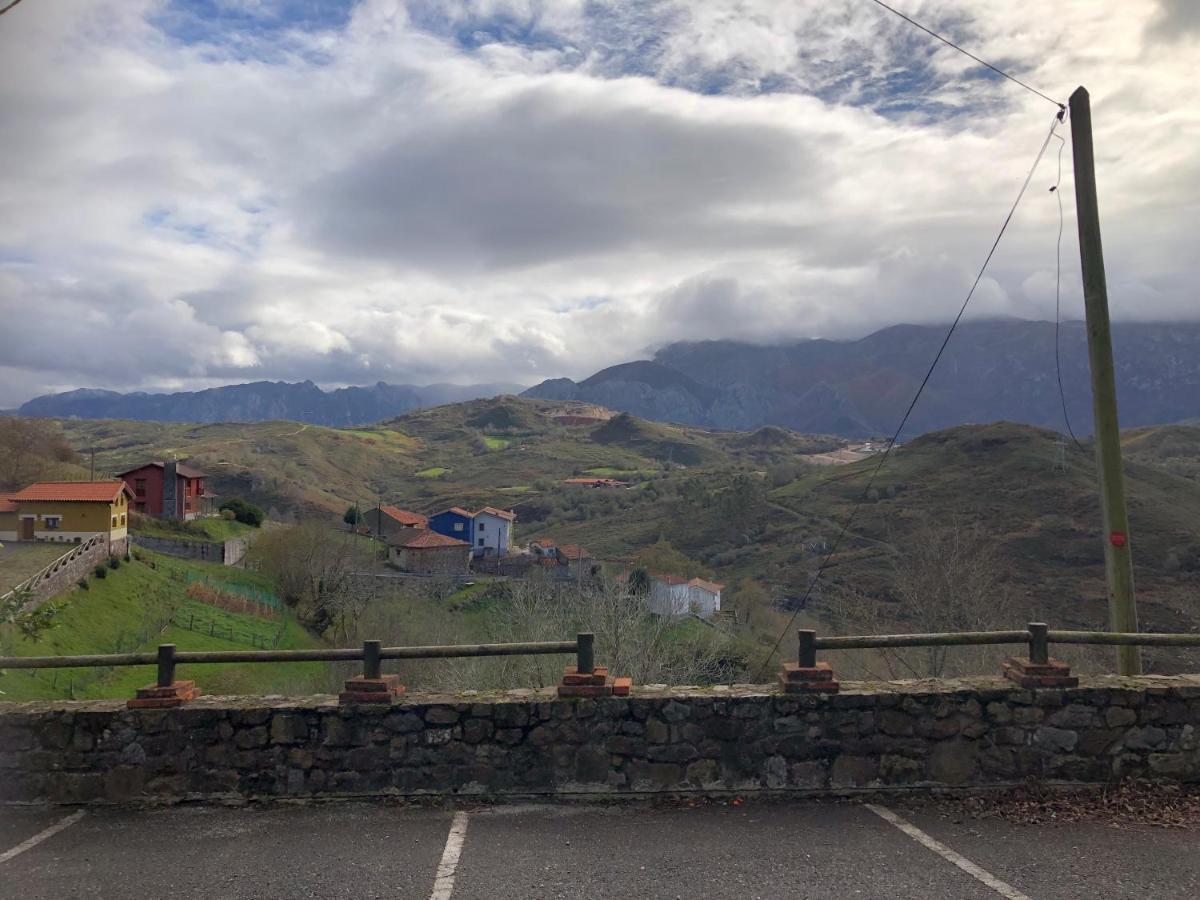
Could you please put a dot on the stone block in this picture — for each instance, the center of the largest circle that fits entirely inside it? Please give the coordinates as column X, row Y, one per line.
column 1052, row 674
column 152, row 696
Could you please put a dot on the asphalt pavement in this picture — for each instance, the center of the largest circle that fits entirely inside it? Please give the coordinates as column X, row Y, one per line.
column 756, row 849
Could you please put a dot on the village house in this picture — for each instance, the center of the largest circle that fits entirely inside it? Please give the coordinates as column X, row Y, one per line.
column 671, row 595
column 385, row 521
column 67, row 511
column 425, row 552
column 8, row 518
column 488, row 531
column 169, row 490
column 571, row 558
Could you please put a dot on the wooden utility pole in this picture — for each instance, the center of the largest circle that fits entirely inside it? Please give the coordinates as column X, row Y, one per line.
column 1118, row 556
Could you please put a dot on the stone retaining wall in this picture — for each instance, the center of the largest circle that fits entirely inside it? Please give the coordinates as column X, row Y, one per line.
column 964, row 733
column 65, row 575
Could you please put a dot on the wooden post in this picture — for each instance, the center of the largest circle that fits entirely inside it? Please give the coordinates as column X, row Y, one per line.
column 1118, row 556
column 807, row 657
column 166, row 665
column 371, row 664
column 1039, row 646
column 585, row 659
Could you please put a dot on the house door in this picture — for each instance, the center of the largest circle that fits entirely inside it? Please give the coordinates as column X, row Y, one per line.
column 27, row 529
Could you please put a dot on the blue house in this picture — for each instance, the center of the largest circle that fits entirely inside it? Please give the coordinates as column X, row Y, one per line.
column 454, row 522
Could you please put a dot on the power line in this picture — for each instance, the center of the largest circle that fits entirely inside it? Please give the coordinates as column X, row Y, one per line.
column 1058, row 294
column 10, row 6
column 982, row 62
column 908, row 412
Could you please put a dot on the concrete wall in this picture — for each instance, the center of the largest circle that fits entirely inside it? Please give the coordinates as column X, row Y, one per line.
column 228, row 553
column 966, row 733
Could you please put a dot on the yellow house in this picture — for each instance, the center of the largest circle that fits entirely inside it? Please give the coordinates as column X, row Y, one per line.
column 72, row 511
column 8, row 518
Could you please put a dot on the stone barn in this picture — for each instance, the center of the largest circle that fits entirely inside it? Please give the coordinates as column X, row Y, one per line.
column 425, row 552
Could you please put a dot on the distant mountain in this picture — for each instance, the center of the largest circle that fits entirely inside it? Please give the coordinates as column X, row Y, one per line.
column 261, row 401
column 991, row 370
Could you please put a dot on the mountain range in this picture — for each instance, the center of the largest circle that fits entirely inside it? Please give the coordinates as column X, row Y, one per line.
column 261, row 401
column 990, row 371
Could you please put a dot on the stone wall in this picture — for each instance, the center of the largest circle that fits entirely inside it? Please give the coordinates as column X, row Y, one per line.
column 63, row 574
column 962, row 734
column 227, row 553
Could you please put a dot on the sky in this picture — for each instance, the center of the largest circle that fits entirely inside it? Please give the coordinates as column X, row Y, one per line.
column 201, row 193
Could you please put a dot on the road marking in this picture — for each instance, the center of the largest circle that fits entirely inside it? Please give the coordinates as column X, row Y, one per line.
column 41, row 836
column 443, row 884
column 1004, row 890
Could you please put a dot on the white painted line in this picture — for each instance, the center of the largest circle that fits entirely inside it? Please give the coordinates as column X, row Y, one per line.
column 1004, row 890
column 41, row 836
column 443, row 884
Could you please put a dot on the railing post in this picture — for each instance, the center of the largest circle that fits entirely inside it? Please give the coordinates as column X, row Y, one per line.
column 808, row 649
column 585, row 659
column 1039, row 644
column 166, row 665
column 371, row 664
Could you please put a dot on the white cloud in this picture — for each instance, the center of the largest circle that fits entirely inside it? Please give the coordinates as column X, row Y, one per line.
column 516, row 190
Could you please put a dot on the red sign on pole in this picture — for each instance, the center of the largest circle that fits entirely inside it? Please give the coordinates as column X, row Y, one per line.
column 1117, row 539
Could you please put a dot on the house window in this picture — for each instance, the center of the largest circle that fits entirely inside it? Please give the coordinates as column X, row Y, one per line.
column 140, row 507
column 122, row 518
column 139, row 486
column 52, row 522
column 114, row 520
column 481, row 524
column 481, row 542
column 458, row 526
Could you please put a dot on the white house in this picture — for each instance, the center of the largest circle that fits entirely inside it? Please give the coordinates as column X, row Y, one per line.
column 671, row 595
column 492, row 531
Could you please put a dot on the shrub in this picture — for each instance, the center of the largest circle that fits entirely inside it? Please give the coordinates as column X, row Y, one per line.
column 128, row 558
column 100, row 572
column 83, row 584
column 245, row 512
column 114, row 562
column 227, row 515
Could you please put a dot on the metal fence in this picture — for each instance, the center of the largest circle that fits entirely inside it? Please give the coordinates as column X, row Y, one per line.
column 372, row 654
column 1037, row 635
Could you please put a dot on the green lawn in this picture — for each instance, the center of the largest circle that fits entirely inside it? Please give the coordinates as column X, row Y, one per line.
column 208, row 529
column 432, row 472
column 20, row 560
column 125, row 611
column 495, row 443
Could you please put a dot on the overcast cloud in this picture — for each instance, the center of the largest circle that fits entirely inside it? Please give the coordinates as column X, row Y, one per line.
column 208, row 192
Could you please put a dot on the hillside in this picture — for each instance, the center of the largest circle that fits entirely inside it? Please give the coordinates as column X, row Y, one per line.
column 260, row 401
column 482, row 451
column 992, row 370
column 143, row 603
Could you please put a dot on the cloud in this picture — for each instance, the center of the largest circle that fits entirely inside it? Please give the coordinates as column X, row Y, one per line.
column 519, row 189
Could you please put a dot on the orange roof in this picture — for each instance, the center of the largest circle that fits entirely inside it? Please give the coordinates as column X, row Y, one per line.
column 460, row 511
column 502, row 513
column 573, row 551
column 428, row 539
column 73, row 491
column 6, row 503
column 669, row 579
column 711, row 586
column 544, row 542
column 404, row 517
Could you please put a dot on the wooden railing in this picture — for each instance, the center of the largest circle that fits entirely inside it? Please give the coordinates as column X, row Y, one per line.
column 31, row 584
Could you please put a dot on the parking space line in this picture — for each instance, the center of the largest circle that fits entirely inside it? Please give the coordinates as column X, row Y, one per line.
column 41, row 836
column 443, row 884
column 1004, row 890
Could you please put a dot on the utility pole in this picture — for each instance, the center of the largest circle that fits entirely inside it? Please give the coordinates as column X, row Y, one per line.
column 93, row 478
column 1118, row 556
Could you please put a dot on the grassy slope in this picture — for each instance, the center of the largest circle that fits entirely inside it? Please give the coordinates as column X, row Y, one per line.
column 116, row 615
column 215, row 529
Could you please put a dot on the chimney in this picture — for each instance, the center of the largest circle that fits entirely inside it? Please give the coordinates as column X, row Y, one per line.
column 171, row 490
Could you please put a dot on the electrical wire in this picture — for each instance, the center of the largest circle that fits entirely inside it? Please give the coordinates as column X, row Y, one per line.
column 1062, row 396
column 883, row 458
column 982, row 62
column 10, row 6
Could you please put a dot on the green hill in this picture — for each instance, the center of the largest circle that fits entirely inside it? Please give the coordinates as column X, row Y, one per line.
column 145, row 603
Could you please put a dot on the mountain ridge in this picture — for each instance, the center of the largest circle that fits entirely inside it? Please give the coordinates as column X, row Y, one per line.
column 991, row 370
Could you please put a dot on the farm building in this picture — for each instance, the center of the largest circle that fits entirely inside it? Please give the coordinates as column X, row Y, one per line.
column 168, row 490
column 384, row 521
column 425, row 552
column 671, row 595
column 69, row 511
column 488, row 531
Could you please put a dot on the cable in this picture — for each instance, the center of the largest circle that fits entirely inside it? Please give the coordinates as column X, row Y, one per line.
column 1062, row 396
column 908, row 412
column 10, row 6
column 982, row 62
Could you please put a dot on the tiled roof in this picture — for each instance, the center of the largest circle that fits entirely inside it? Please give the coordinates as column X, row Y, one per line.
column 573, row 551
column 711, row 586
column 669, row 579
column 404, row 517
column 180, row 469
column 72, row 491
column 543, row 542
column 428, row 539
column 459, row 511
column 6, row 503
column 501, row 513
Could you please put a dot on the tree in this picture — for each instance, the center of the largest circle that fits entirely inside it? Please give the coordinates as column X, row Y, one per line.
column 352, row 516
column 316, row 572
column 31, row 450
column 245, row 512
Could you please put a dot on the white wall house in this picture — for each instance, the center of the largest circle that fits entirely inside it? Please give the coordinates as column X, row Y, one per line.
column 671, row 595
column 491, row 531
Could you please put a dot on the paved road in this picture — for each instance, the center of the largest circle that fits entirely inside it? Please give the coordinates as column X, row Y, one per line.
column 755, row 850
